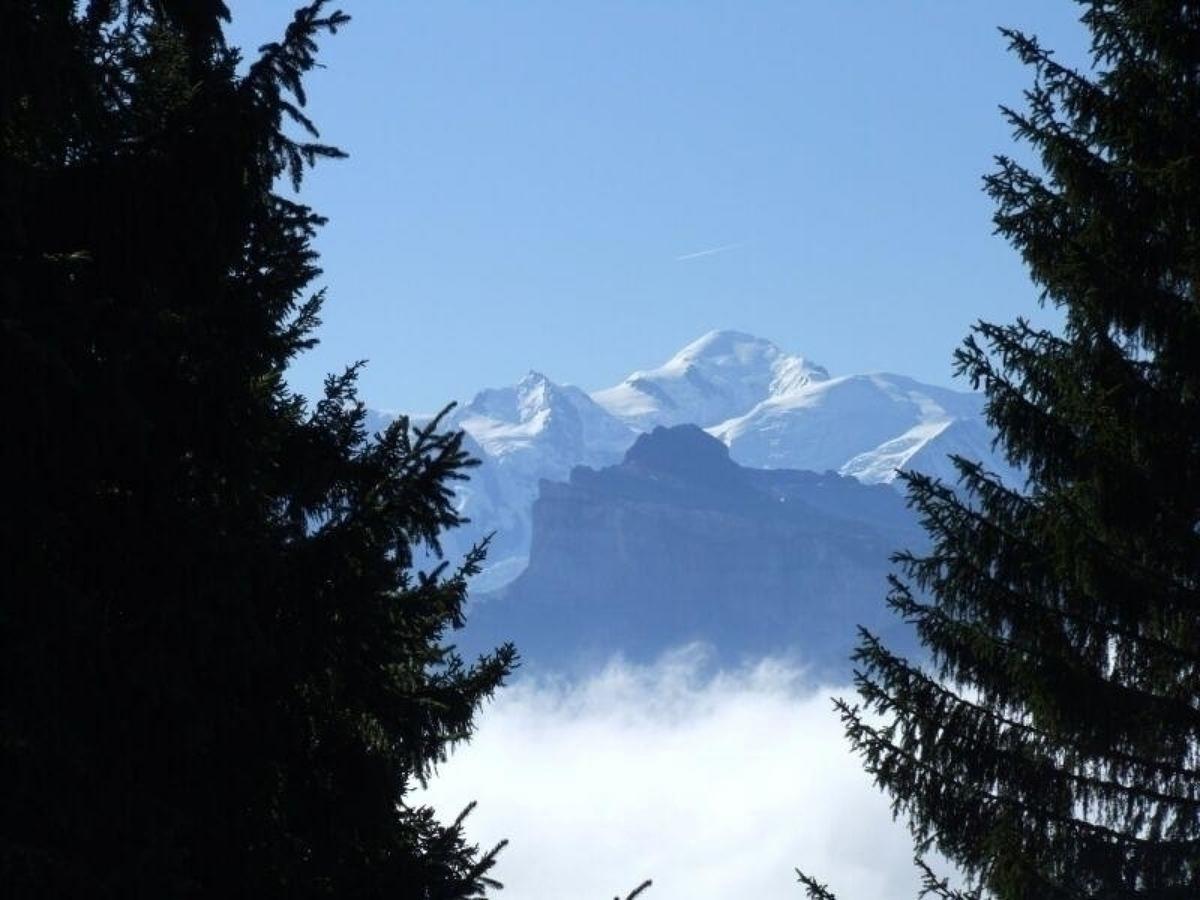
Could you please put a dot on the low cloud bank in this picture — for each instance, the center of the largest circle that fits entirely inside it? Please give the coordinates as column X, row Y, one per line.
column 716, row 784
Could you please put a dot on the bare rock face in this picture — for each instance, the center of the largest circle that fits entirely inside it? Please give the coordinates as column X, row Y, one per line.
column 679, row 544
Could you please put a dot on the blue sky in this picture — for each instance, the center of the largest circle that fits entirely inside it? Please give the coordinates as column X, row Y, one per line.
column 534, row 184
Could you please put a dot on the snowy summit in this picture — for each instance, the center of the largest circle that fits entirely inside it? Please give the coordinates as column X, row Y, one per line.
column 720, row 375
column 771, row 408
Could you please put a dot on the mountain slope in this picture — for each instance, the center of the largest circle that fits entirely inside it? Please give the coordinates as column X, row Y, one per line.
column 876, row 419
column 532, row 430
column 773, row 410
column 928, row 448
column 718, row 376
column 679, row 543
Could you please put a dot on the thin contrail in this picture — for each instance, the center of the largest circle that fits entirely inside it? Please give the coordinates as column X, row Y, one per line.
column 709, row 252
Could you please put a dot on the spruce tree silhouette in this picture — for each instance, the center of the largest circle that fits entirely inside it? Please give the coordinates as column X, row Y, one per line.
column 1053, row 749
column 220, row 674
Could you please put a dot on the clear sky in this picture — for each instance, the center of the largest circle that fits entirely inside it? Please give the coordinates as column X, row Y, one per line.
column 583, row 187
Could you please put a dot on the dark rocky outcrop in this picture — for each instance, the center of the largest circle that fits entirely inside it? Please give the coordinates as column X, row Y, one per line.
column 678, row 543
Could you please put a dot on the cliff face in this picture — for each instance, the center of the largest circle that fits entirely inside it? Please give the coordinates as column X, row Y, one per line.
column 678, row 544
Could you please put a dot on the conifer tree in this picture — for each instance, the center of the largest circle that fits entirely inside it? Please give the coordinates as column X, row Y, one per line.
column 220, row 674
column 1051, row 749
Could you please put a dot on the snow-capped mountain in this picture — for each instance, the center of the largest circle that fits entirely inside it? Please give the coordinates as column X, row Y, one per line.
column 927, row 448
column 868, row 426
column 718, row 377
column 533, row 430
column 773, row 410
column 542, row 428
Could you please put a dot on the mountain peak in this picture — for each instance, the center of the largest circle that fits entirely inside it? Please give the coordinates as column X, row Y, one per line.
column 725, row 347
column 533, row 378
column 683, row 450
column 762, row 406
column 531, row 396
column 716, row 377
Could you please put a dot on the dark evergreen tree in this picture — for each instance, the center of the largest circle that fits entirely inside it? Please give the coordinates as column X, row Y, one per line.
column 1052, row 747
column 220, row 674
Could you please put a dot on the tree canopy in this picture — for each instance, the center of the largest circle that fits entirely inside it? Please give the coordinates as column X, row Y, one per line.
column 220, row 672
column 1050, row 748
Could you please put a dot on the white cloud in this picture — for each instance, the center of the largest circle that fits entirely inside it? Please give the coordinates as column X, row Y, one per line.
column 716, row 784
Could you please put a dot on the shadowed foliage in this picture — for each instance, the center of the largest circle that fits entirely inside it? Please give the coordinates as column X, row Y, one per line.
column 220, row 674
column 1052, row 749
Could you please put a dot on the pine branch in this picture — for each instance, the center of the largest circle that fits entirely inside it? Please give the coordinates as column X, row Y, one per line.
column 637, row 891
